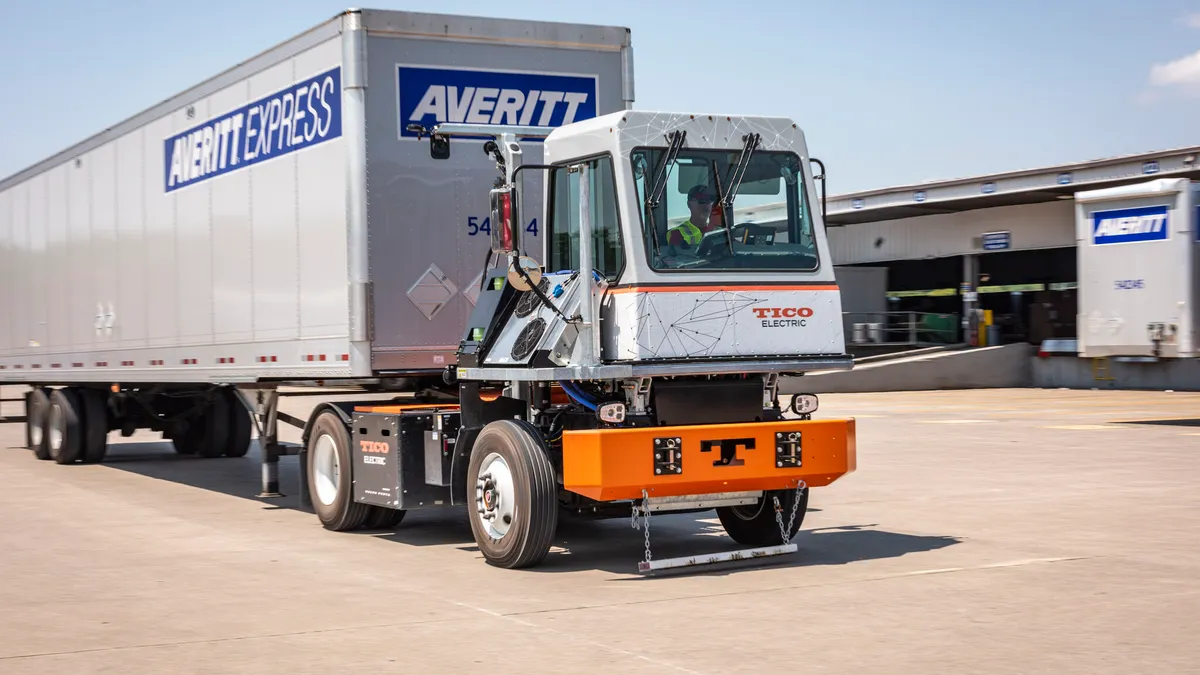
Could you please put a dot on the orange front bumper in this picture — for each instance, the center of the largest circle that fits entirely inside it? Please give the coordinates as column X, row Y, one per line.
column 614, row 464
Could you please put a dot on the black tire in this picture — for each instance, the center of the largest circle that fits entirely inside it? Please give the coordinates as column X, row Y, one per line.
column 65, row 422
column 755, row 524
column 382, row 518
column 331, row 485
column 213, row 427
column 37, row 417
column 534, row 504
column 95, row 424
column 187, row 443
column 238, row 442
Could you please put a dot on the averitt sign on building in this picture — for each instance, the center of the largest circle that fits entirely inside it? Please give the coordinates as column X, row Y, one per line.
column 997, row 241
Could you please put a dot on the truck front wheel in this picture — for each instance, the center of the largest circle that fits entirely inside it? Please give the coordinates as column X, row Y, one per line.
column 512, row 494
column 755, row 524
column 329, row 475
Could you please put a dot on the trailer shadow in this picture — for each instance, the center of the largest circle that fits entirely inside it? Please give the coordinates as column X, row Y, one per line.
column 580, row 543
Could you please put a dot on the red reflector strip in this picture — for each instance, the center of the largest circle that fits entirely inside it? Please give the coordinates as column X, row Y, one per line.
column 189, row 362
column 157, row 362
column 127, row 363
column 76, row 365
column 345, row 357
column 102, row 364
column 18, row 367
column 56, row 365
column 3, row 367
column 322, row 357
column 36, row 365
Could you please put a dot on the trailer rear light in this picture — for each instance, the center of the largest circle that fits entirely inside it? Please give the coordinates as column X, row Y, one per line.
column 612, row 413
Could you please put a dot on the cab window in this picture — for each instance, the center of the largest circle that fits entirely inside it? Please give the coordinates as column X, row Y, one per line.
column 607, row 255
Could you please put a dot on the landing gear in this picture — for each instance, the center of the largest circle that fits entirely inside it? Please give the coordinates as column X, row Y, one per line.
column 513, row 502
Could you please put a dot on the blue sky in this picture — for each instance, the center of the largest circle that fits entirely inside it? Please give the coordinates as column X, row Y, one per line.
column 887, row 92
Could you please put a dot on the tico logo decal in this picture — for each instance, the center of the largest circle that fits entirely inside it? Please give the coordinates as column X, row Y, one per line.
column 783, row 317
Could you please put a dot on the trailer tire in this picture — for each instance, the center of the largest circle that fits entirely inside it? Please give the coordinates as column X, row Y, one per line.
column 95, row 423
column 238, row 443
column 65, row 426
column 329, row 475
column 213, row 428
column 36, row 423
column 755, row 524
column 382, row 518
column 510, row 477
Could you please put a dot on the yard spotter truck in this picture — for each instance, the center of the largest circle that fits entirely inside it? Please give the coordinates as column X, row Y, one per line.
column 289, row 223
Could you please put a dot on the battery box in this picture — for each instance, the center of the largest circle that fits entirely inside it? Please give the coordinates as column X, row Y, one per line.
column 402, row 460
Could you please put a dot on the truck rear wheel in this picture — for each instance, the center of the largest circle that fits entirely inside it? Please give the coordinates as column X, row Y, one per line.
column 755, row 524
column 329, row 475
column 38, row 409
column 382, row 518
column 65, row 426
column 512, row 494
column 95, row 423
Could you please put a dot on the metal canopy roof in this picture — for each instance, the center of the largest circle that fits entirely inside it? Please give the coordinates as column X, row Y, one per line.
column 1030, row 186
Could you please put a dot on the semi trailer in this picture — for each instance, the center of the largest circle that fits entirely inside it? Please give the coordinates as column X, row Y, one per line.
column 467, row 212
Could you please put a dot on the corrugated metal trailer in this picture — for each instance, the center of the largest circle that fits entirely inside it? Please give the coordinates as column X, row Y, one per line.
column 278, row 221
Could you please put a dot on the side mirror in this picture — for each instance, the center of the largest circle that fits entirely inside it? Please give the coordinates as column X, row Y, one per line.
column 506, row 233
column 439, row 146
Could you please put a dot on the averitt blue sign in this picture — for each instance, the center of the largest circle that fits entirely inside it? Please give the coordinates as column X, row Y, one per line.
column 429, row 96
column 997, row 241
column 300, row 116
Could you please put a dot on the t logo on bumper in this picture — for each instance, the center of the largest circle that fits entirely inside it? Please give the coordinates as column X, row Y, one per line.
column 729, row 448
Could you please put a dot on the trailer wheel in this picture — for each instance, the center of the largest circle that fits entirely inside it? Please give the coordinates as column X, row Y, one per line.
column 382, row 518
column 95, row 424
column 238, row 442
column 512, row 494
column 329, row 475
column 755, row 524
column 65, row 426
column 36, row 419
column 214, row 428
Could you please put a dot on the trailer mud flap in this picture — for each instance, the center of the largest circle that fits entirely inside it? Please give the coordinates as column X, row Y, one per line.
column 617, row 464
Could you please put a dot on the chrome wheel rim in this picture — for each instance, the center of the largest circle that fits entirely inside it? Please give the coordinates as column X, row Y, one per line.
column 327, row 469
column 495, row 496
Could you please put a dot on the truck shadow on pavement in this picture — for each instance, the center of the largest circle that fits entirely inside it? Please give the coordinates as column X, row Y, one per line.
column 581, row 543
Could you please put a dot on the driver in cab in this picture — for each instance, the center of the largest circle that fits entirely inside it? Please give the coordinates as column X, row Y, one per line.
column 688, row 234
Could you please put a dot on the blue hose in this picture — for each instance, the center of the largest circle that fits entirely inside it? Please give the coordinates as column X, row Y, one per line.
column 577, row 395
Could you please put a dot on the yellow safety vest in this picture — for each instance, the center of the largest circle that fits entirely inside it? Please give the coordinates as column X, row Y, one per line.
column 690, row 233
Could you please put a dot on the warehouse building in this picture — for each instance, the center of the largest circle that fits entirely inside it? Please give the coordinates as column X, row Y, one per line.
column 1004, row 242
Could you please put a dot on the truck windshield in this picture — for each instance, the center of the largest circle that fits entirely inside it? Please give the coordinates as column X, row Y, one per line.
column 770, row 224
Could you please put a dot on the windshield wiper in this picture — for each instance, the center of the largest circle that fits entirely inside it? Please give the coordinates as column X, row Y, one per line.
column 654, row 196
column 726, row 210
column 738, row 171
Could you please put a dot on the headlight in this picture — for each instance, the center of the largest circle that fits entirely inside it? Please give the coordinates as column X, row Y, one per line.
column 612, row 413
column 804, row 404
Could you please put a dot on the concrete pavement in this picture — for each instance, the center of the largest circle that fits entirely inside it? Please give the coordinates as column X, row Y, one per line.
column 994, row 531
